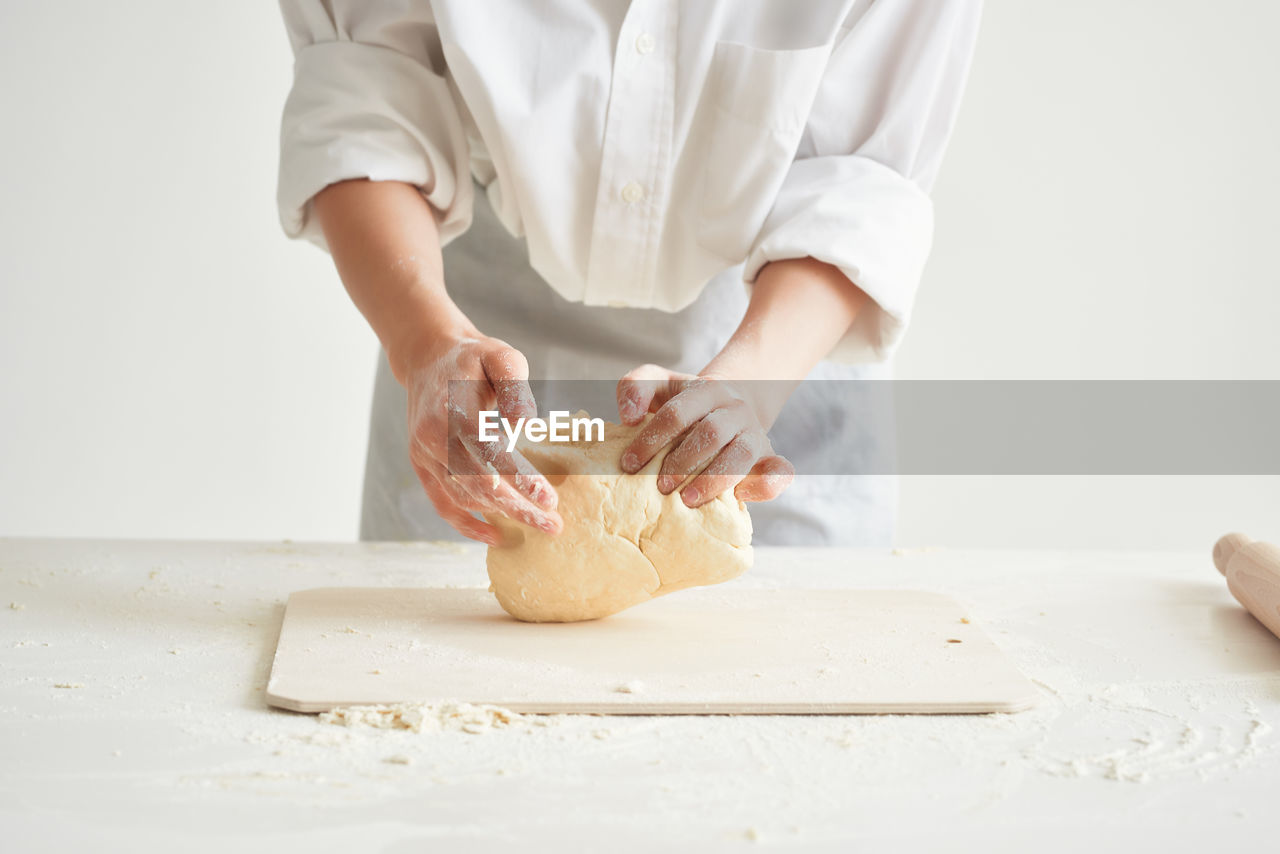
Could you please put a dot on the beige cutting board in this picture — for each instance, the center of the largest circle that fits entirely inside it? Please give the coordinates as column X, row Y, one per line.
column 710, row 651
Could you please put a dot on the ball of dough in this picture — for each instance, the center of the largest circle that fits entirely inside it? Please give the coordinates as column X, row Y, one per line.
column 623, row 542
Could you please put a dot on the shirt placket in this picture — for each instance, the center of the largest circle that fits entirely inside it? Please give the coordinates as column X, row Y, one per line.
column 633, row 187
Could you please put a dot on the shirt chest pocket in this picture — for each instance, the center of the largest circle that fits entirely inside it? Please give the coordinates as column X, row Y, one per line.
column 756, row 103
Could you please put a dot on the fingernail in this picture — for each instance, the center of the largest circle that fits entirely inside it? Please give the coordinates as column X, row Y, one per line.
column 691, row 495
column 630, row 462
column 665, row 484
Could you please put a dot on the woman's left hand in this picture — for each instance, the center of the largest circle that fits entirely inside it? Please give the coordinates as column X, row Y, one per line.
column 716, row 432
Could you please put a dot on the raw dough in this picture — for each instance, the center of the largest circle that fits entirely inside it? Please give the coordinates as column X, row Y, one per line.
column 623, row 541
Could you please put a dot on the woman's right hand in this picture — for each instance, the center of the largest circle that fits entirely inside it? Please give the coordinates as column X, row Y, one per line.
column 386, row 243
column 461, row 474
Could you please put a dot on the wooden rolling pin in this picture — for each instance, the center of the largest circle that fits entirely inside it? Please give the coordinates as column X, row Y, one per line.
column 1253, row 576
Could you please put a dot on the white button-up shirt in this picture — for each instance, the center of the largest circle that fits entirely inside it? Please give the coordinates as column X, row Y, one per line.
column 642, row 148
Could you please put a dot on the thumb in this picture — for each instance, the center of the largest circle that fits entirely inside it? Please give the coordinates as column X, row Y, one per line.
column 641, row 390
column 766, row 480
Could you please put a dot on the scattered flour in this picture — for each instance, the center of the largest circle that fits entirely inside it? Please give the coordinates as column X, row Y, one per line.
column 635, row 686
column 1143, row 733
column 422, row 717
column 1102, row 725
column 452, row 546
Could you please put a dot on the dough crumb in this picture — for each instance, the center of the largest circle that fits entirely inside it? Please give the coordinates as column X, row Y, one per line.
column 17, row 606
column 954, row 640
column 422, row 717
column 68, row 684
column 635, row 686
column 752, row 834
column 964, row 620
column 398, row 759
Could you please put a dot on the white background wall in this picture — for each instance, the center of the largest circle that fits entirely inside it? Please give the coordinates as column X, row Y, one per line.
column 170, row 366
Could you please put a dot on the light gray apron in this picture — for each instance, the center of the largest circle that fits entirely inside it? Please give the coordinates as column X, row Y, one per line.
column 488, row 275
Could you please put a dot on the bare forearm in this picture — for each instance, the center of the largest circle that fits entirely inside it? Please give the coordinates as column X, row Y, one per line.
column 799, row 310
column 386, row 245
column 385, row 242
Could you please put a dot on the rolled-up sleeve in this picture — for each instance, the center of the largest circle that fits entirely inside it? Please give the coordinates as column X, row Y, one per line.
column 856, row 196
column 369, row 100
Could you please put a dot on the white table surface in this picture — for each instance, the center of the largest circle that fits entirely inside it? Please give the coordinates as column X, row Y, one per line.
column 1156, row 726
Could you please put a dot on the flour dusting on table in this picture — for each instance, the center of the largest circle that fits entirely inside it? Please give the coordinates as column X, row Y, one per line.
column 421, row 717
column 1138, row 710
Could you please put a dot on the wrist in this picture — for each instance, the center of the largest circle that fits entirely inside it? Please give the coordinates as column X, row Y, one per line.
column 764, row 397
column 738, row 360
column 426, row 342
column 799, row 310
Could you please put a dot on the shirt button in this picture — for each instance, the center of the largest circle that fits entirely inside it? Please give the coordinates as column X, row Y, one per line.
column 632, row 193
column 645, row 43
